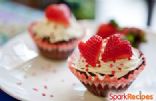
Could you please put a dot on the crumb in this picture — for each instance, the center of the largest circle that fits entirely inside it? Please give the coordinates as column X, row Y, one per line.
column 45, row 87
column 43, row 94
column 51, row 95
column 35, row 89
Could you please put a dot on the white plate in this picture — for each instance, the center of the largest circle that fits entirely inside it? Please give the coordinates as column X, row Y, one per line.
column 26, row 75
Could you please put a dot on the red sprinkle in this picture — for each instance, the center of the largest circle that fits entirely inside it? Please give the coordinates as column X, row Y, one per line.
column 87, row 69
column 87, row 65
column 113, row 72
column 35, row 89
column 45, row 87
column 129, row 58
column 43, row 94
column 111, row 65
column 121, row 64
column 99, row 65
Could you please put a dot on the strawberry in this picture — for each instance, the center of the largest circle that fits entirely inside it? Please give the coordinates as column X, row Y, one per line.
column 116, row 49
column 106, row 30
column 91, row 49
column 59, row 13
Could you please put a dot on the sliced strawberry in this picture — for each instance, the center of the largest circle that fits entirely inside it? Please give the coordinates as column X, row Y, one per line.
column 106, row 30
column 91, row 49
column 59, row 13
column 116, row 49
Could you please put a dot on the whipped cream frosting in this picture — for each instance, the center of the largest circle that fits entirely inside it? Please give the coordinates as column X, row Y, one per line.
column 121, row 66
column 56, row 32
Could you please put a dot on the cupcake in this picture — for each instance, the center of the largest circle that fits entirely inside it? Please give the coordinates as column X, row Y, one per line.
column 57, row 35
column 136, row 36
column 105, row 65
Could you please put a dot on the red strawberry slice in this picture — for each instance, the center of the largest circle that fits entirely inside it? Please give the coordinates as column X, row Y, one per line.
column 116, row 49
column 59, row 13
column 91, row 49
column 106, row 30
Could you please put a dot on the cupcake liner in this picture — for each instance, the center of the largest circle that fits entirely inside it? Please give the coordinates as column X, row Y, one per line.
column 54, row 51
column 101, row 86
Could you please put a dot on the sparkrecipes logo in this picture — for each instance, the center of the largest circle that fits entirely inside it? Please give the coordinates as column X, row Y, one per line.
column 140, row 96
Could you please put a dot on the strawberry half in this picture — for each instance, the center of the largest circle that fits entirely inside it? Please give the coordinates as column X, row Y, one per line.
column 106, row 30
column 91, row 49
column 59, row 13
column 116, row 49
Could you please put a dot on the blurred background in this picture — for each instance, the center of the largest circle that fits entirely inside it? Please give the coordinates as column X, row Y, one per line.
column 16, row 15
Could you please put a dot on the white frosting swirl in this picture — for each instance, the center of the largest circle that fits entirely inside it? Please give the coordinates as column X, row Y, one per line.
column 57, row 32
column 121, row 66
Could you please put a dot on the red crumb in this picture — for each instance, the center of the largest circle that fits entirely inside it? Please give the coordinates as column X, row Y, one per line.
column 43, row 94
column 129, row 58
column 35, row 89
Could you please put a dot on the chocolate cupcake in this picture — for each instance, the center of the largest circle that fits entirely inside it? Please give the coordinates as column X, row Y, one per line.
column 105, row 65
column 58, row 34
